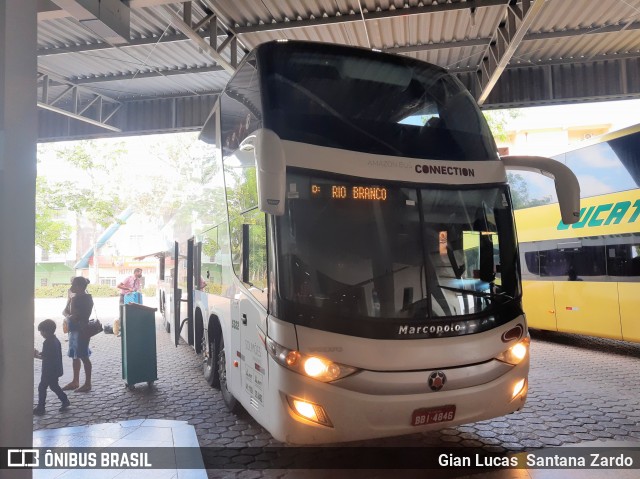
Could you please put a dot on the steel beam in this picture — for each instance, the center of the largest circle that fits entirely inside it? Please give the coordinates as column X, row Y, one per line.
column 109, row 19
column 607, row 78
column 475, row 42
column 533, row 36
column 506, row 41
column 185, row 28
column 73, row 107
column 49, row 11
column 577, row 32
column 147, row 74
column 377, row 15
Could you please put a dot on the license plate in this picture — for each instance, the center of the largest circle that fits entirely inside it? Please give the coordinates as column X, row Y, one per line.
column 422, row 417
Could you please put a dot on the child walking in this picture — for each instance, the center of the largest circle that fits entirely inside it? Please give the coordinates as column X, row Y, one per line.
column 51, row 357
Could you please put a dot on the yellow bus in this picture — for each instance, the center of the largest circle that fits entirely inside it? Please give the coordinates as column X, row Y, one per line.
column 584, row 278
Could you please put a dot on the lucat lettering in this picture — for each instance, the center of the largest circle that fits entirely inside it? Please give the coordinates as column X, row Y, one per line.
column 605, row 214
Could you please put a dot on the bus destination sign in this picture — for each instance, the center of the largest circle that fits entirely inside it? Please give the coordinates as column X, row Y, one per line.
column 352, row 192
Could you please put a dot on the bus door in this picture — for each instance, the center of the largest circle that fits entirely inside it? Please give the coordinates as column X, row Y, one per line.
column 198, row 280
column 176, row 296
column 251, row 318
column 183, row 294
column 188, row 314
column 199, row 299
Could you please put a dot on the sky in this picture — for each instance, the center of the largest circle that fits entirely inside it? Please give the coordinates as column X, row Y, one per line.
column 618, row 113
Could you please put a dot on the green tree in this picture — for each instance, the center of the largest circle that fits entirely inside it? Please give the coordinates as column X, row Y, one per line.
column 93, row 194
column 182, row 189
column 98, row 196
column 499, row 120
column 53, row 234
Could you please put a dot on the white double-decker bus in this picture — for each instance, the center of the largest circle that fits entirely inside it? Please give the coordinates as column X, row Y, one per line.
column 361, row 277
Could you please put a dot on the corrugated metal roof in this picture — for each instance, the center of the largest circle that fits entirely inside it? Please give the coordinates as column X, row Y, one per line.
column 454, row 34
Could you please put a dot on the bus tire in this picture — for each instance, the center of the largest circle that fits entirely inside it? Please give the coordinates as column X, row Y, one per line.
column 211, row 366
column 230, row 401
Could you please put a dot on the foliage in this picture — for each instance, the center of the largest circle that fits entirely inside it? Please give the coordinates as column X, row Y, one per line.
column 213, row 288
column 52, row 233
column 57, row 291
column 60, row 291
column 242, row 201
column 98, row 199
column 182, row 190
column 95, row 196
column 498, row 121
column 149, row 292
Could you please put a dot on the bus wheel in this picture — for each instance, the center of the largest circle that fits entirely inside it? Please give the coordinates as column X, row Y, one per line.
column 211, row 367
column 229, row 400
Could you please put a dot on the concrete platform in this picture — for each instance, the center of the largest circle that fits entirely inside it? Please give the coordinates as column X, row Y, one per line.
column 582, row 391
column 135, row 433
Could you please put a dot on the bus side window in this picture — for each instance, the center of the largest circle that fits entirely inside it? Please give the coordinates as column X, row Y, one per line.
column 212, row 261
column 254, row 254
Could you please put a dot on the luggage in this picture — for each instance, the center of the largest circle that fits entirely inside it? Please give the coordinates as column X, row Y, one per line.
column 133, row 297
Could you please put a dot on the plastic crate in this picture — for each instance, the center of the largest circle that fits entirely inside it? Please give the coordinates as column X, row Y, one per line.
column 133, row 297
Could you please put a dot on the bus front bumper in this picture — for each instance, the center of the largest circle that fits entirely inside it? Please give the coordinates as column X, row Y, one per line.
column 357, row 416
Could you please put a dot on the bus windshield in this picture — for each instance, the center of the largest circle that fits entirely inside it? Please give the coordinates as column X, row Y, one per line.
column 361, row 101
column 352, row 250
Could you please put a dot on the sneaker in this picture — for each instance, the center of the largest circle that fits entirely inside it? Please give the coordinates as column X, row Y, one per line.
column 38, row 411
column 65, row 405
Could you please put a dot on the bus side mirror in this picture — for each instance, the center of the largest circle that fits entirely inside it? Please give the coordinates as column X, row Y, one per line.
column 270, row 169
column 566, row 183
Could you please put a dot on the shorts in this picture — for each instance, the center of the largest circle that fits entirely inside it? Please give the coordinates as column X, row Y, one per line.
column 78, row 345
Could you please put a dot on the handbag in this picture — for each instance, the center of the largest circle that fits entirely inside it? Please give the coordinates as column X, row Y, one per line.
column 93, row 327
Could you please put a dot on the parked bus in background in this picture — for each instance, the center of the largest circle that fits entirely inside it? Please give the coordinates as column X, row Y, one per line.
column 361, row 279
column 583, row 278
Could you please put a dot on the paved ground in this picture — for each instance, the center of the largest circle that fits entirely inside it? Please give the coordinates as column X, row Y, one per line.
column 581, row 390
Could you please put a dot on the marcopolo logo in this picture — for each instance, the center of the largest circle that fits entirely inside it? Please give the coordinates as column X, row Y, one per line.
column 23, row 458
column 605, row 214
column 445, row 170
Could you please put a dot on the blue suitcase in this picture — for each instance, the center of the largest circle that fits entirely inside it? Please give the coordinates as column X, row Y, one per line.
column 133, row 297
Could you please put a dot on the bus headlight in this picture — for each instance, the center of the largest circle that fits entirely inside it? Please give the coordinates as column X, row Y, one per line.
column 518, row 388
column 312, row 366
column 516, row 353
column 310, row 411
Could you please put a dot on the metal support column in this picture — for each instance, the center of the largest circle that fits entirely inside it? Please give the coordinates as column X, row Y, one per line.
column 18, row 136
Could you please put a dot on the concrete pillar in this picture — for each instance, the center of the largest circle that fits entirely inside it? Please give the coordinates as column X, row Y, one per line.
column 18, row 136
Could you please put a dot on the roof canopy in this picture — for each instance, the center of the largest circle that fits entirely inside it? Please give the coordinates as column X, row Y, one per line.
column 146, row 66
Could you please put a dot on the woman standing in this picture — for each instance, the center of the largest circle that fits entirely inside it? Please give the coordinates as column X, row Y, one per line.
column 80, row 307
